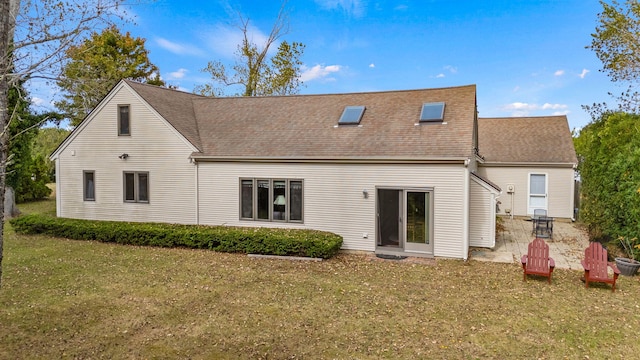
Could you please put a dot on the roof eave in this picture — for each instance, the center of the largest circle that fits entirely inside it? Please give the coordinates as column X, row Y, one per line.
column 530, row 164
column 346, row 160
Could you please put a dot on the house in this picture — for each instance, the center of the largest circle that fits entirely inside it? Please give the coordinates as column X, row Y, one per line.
column 532, row 159
column 396, row 172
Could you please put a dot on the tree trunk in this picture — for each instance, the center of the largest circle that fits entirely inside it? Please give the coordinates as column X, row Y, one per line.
column 6, row 37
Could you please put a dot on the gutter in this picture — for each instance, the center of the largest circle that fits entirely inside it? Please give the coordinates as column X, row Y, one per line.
column 346, row 160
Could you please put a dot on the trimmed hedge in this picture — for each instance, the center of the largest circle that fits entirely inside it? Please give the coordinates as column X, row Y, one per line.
column 266, row 241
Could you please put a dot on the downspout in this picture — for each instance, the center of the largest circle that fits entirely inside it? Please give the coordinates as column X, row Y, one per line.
column 465, row 212
column 197, row 192
column 58, row 189
column 573, row 196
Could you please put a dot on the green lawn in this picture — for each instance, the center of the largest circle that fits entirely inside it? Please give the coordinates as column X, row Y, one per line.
column 87, row 300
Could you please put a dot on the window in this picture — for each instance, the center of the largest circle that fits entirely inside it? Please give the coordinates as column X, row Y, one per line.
column 351, row 115
column 432, row 112
column 124, row 127
column 271, row 200
column 89, row 187
column 136, row 186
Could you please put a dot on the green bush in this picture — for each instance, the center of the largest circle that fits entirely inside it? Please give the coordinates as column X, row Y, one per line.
column 608, row 151
column 266, row 241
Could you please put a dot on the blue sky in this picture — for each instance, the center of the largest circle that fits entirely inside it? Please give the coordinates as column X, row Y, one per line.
column 527, row 58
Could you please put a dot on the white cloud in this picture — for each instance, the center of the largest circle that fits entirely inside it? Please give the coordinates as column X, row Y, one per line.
column 439, row 76
column 178, row 48
column 451, row 69
column 224, row 40
column 319, row 72
column 372, row 65
column 548, row 106
column 558, row 73
column 37, row 101
column 179, row 74
column 583, row 73
column 525, row 109
column 355, row 8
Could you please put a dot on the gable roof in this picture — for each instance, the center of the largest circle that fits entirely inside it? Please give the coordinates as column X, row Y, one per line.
column 306, row 126
column 543, row 140
column 174, row 106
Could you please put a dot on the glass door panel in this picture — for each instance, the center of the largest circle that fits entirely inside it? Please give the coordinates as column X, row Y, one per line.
column 417, row 225
column 389, row 230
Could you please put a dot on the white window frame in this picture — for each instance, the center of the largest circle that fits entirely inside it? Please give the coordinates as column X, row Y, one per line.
column 530, row 208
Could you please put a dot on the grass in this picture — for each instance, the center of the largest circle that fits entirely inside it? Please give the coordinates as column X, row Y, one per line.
column 76, row 299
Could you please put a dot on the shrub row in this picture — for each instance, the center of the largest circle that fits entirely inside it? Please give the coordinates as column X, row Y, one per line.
column 266, row 241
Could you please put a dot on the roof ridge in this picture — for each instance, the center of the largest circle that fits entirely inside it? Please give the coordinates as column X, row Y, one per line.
column 129, row 81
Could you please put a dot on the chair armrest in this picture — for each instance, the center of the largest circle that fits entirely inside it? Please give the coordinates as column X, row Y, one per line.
column 614, row 267
column 523, row 260
column 585, row 265
column 552, row 263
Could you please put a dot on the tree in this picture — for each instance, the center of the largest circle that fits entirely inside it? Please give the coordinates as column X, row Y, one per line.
column 46, row 142
column 34, row 37
column 616, row 42
column 254, row 71
column 609, row 153
column 26, row 172
column 96, row 66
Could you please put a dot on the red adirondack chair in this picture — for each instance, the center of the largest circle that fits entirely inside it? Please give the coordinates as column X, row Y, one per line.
column 537, row 260
column 596, row 266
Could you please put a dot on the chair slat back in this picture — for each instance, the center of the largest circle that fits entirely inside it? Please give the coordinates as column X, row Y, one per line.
column 538, row 255
column 596, row 257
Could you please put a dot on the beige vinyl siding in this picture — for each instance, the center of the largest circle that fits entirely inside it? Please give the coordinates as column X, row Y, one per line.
column 153, row 147
column 481, row 216
column 333, row 197
column 559, row 191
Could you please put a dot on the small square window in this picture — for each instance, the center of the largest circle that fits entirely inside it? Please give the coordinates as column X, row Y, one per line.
column 124, row 125
column 351, row 115
column 136, row 186
column 432, row 112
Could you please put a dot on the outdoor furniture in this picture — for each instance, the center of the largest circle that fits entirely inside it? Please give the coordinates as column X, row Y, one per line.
column 596, row 266
column 537, row 260
column 543, row 227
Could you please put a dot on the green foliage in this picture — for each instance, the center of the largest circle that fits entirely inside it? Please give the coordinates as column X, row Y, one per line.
column 26, row 172
column 254, row 72
column 46, row 142
column 609, row 164
column 97, row 65
column 616, row 42
column 289, row 242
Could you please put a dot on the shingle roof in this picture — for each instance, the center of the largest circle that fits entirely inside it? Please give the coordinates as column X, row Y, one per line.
column 545, row 139
column 174, row 106
column 305, row 126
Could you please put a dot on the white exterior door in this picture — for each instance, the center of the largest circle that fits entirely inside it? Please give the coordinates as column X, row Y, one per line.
column 537, row 192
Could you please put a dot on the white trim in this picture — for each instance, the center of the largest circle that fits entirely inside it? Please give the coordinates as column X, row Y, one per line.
column 106, row 100
column 465, row 215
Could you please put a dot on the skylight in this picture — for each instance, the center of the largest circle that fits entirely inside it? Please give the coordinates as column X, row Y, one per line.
column 351, row 115
column 432, row 112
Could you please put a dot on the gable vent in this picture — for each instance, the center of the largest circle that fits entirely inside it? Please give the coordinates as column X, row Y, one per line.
column 432, row 112
column 351, row 115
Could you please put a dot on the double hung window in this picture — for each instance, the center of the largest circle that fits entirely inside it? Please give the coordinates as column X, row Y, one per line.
column 136, row 186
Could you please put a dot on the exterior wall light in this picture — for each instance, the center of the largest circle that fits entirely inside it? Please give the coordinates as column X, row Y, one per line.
column 124, row 156
column 365, row 194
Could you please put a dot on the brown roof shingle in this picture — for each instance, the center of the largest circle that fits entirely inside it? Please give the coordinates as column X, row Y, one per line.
column 174, row 106
column 544, row 139
column 305, row 126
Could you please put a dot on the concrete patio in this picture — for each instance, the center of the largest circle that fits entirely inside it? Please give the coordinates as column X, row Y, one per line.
column 566, row 247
